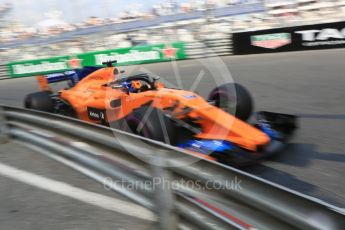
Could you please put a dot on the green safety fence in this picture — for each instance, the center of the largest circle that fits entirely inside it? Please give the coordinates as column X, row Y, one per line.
column 124, row 56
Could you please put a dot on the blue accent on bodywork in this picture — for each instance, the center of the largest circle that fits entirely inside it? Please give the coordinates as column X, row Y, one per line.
column 72, row 75
column 189, row 96
column 128, row 85
column 207, row 146
column 86, row 71
column 57, row 77
column 267, row 129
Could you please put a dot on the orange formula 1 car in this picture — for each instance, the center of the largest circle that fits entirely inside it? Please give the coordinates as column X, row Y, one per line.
column 216, row 128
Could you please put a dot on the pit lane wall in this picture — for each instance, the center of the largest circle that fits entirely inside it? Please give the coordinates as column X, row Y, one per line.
column 124, row 56
column 297, row 38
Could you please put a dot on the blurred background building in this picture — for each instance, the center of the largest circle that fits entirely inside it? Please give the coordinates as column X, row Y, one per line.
column 188, row 21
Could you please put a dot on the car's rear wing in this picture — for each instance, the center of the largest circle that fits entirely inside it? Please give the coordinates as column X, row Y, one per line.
column 72, row 76
column 45, row 80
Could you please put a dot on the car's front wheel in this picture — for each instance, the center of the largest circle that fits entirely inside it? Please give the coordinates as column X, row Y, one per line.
column 234, row 99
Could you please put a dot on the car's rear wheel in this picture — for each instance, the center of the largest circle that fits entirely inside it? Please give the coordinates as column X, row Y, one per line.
column 151, row 123
column 39, row 101
column 234, row 99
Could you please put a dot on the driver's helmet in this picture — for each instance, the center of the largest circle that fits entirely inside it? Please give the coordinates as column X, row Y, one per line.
column 135, row 86
column 132, row 86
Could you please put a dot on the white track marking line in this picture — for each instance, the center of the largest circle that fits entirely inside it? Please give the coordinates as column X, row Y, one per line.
column 70, row 191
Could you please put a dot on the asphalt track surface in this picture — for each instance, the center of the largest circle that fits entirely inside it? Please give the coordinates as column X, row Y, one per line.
column 27, row 207
column 308, row 84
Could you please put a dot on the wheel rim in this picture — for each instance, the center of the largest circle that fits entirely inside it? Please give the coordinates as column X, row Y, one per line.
column 224, row 101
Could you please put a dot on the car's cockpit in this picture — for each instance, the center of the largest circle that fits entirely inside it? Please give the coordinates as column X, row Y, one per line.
column 134, row 84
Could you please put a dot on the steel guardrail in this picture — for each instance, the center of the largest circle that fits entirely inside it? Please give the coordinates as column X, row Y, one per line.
column 3, row 72
column 198, row 49
column 107, row 155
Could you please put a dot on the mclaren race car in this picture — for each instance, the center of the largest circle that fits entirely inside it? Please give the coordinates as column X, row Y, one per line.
column 216, row 127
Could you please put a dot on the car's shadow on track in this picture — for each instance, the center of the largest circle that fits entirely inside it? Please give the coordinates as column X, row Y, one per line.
column 279, row 176
column 301, row 155
column 323, row 116
column 296, row 155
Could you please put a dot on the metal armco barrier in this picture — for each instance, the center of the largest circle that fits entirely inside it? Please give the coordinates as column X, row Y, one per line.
column 198, row 49
column 209, row 47
column 236, row 200
column 125, row 56
column 3, row 72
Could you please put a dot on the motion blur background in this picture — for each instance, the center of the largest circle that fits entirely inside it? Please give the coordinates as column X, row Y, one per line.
column 32, row 29
column 309, row 84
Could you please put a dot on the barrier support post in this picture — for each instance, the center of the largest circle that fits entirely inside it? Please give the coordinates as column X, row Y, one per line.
column 163, row 195
column 4, row 132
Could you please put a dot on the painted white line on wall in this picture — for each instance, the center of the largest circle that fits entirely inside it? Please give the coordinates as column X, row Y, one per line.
column 61, row 188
